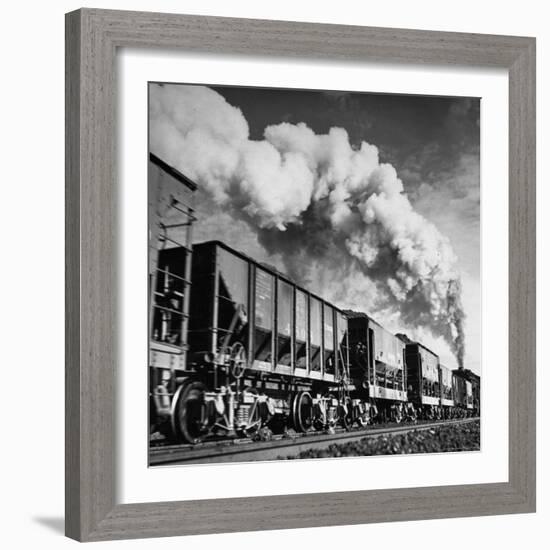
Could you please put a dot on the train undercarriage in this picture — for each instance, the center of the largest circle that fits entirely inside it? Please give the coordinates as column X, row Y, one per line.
column 224, row 398
column 211, row 402
column 248, row 409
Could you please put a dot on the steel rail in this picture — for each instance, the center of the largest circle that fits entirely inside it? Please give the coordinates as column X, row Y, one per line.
column 239, row 450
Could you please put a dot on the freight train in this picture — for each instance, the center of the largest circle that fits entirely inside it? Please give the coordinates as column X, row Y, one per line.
column 237, row 348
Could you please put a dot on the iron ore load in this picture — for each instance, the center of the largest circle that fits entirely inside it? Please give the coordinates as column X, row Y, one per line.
column 239, row 349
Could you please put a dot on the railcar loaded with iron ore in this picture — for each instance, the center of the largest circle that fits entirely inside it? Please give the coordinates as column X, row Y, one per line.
column 377, row 369
column 423, row 379
column 463, row 393
column 263, row 351
column 238, row 349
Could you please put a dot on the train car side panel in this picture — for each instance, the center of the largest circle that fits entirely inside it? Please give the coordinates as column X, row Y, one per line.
column 469, row 396
column 263, row 340
column 202, row 309
column 430, row 378
column 377, row 360
column 388, row 365
column 422, row 376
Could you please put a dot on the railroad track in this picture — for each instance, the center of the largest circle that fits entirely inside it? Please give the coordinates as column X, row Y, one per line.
column 244, row 450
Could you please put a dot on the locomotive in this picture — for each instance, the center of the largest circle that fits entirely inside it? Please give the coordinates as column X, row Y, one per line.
column 238, row 349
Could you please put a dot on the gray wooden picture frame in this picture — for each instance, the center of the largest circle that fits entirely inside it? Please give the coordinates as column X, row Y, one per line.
column 92, row 39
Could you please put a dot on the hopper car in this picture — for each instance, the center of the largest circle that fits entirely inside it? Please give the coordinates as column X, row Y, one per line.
column 378, row 378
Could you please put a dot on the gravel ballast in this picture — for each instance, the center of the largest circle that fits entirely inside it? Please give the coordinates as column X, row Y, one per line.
column 453, row 438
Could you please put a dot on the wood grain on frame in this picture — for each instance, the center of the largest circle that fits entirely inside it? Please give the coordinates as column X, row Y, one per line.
column 92, row 38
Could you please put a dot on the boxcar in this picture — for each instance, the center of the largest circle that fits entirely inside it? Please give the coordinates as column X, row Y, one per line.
column 423, row 384
column 377, row 368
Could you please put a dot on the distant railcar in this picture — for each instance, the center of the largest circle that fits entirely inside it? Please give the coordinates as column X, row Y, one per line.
column 469, row 396
column 423, row 380
column 463, row 394
column 476, row 394
column 474, row 380
column 446, row 387
column 377, row 369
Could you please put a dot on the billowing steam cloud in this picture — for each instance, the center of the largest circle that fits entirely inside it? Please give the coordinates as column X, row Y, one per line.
column 332, row 210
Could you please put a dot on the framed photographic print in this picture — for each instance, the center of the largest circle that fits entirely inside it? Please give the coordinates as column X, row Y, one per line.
column 291, row 247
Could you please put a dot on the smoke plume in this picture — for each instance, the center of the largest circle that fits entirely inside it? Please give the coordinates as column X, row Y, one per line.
column 339, row 218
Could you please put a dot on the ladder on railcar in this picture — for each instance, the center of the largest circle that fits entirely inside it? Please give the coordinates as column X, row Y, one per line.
column 170, row 290
column 171, row 218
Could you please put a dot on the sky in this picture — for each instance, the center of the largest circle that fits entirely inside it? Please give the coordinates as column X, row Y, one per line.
column 246, row 147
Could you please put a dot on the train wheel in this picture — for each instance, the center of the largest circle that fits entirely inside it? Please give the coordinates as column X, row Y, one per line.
column 190, row 414
column 302, row 411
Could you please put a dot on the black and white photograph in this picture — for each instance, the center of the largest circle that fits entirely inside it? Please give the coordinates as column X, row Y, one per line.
column 314, row 274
